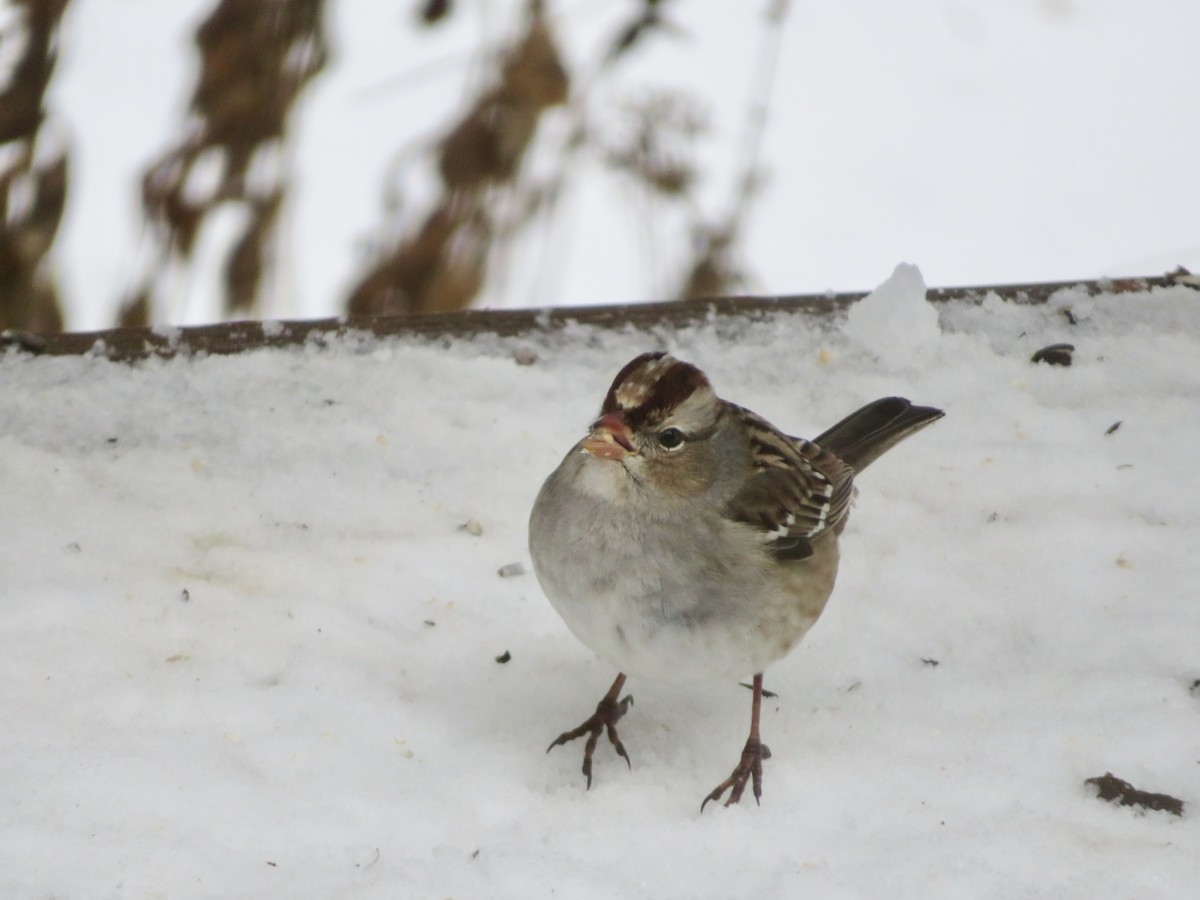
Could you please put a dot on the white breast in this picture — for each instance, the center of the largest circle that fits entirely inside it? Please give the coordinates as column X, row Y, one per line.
column 652, row 601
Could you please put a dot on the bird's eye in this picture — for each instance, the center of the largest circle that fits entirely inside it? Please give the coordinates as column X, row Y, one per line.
column 670, row 439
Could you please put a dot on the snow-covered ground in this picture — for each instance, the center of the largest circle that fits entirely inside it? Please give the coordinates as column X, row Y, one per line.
column 248, row 648
column 1032, row 140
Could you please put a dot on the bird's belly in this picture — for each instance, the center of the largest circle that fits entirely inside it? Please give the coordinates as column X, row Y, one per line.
column 645, row 645
column 721, row 613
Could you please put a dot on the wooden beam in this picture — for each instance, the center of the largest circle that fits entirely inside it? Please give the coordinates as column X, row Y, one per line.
column 125, row 344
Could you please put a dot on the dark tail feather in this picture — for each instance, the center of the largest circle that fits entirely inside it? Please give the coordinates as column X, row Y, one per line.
column 863, row 436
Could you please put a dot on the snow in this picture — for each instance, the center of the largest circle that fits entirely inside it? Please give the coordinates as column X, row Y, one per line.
column 253, row 609
column 894, row 319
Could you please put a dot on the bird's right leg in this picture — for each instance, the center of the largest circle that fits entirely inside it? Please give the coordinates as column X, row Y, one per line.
column 608, row 712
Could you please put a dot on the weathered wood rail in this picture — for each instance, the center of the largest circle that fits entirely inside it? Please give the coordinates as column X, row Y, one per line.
column 123, row 344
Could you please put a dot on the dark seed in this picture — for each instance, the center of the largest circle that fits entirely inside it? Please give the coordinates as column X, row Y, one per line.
column 1055, row 355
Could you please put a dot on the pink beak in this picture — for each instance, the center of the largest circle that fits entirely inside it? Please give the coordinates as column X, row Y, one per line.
column 609, row 438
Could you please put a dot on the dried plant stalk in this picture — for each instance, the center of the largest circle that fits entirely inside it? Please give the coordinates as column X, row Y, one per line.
column 444, row 257
column 33, row 171
column 255, row 60
column 440, row 264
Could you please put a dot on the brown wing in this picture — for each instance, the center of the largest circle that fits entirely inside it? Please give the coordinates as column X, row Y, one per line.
column 796, row 492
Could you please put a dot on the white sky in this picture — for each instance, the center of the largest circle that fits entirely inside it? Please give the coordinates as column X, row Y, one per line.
column 986, row 142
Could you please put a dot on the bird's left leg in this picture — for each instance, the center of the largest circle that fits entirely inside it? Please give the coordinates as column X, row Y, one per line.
column 749, row 768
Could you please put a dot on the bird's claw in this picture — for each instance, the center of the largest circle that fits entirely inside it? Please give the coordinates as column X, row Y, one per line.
column 749, row 768
column 604, row 719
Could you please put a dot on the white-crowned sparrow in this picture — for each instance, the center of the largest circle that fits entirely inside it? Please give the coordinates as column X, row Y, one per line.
column 687, row 539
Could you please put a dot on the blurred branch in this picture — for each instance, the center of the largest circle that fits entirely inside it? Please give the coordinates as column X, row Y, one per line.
column 33, row 169
column 714, row 269
column 255, row 60
column 441, row 262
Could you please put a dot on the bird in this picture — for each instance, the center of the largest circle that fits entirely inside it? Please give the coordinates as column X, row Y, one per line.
column 686, row 539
